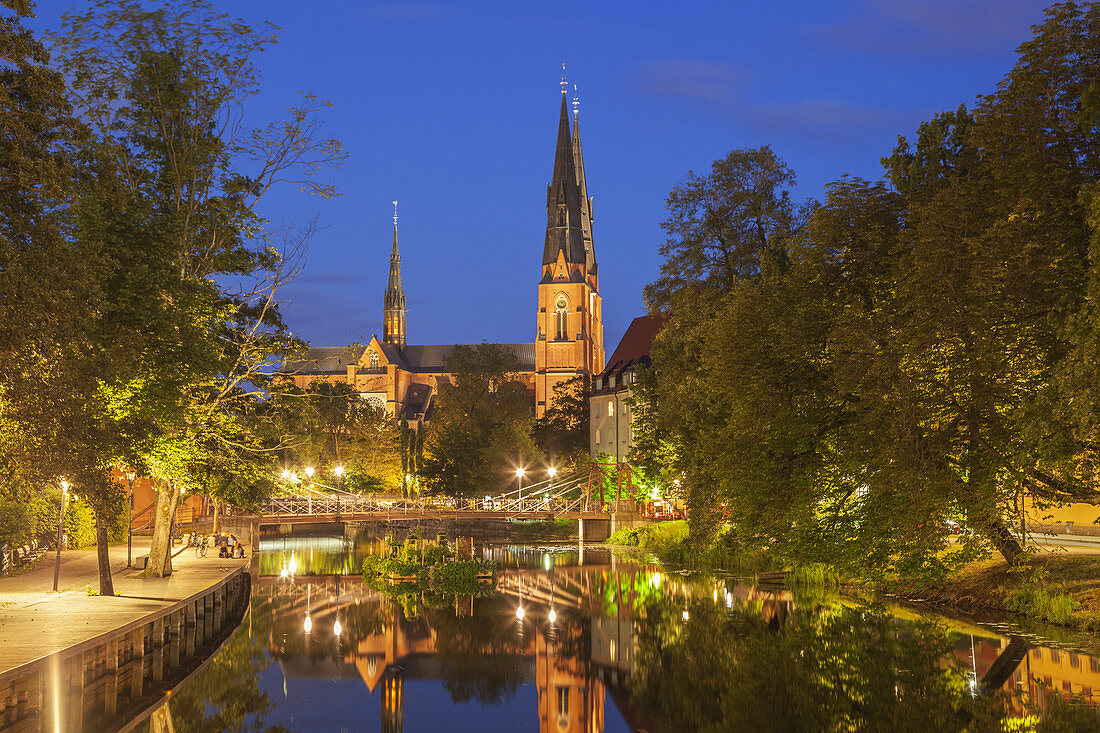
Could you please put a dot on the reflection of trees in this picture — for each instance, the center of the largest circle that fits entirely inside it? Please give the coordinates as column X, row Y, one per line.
column 482, row 657
column 225, row 694
column 849, row 671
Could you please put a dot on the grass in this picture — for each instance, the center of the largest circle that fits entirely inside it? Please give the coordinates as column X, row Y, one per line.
column 1060, row 589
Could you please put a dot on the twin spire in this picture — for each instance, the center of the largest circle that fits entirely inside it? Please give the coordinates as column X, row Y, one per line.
column 568, row 219
column 568, row 207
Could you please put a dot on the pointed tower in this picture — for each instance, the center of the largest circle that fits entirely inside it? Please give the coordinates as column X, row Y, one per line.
column 582, row 188
column 393, row 313
column 570, row 326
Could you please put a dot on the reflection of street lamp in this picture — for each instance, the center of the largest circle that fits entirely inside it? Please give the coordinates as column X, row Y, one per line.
column 60, row 529
column 130, row 476
column 519, row 475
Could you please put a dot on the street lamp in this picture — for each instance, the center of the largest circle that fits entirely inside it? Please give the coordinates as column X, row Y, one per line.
column 519, row 475
column 551, row 472
column 339, row 471
column 130, row 476
column 60, row 529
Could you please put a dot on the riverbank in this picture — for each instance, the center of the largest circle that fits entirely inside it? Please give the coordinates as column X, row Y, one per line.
column 1060, row 587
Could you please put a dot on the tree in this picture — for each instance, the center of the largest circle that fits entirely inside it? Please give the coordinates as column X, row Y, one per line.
column 562, row 433
column 482, row 425
column 164, row 92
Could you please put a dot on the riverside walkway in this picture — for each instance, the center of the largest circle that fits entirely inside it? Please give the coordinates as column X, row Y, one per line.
column 36, row 622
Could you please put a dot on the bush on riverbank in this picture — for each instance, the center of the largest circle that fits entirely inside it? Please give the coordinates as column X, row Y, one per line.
column 671, row 543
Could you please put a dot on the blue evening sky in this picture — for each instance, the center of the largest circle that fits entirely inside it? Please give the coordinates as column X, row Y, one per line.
column 451, row 108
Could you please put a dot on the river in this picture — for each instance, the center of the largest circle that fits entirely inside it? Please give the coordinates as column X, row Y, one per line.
column 578, row 639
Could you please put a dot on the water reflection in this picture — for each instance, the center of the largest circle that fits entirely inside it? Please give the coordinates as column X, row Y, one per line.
column 597, row 644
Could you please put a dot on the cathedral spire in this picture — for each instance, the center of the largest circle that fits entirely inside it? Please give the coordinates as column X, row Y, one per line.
column 563, row 200
column 393, row 314
column 582, row 190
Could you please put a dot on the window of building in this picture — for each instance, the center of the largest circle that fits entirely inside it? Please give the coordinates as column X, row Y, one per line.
column 563, row 319
column 597, row 436
column 374, row 360
column 611, row 409
column 563, row 702
column 1055, row 656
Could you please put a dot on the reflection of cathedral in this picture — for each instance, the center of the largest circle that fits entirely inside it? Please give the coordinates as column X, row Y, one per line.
column 554, row 656
column 568, row 340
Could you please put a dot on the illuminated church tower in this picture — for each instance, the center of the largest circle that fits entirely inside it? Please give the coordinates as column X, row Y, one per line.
column 570, row 322
column 393, row 314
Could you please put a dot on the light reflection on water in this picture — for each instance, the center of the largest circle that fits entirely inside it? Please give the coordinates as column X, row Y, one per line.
column 577, row 639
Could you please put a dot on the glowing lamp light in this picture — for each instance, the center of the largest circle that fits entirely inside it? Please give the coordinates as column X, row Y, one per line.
column 309, row 471
column 286, row 475
column 552, row 472
column 284, row 572
column 552, row 616
column 339, row 470
column 308, row 625
column 520, row 612
column 686, row 615
column 520, row 472
column 546, row 561
column 293, row 565
column 336, row 629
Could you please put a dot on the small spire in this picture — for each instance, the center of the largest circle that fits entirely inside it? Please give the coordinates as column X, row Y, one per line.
column 564, row 83
column 576, row 102
column 394, row 214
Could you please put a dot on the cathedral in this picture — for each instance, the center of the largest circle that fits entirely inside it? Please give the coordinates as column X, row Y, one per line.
column 405, row 378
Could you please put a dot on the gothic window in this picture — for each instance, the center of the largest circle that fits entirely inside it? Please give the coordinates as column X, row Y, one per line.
column 563, row 319
column 374, row 360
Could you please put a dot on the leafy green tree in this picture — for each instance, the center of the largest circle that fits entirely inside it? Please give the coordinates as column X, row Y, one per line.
column 163, row 90
column 562, row 433
column 482, row 425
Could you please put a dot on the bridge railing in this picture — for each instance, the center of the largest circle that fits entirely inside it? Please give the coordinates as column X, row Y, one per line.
column 342, row 504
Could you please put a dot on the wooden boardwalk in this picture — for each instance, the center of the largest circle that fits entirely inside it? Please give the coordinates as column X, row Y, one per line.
column 36, row 623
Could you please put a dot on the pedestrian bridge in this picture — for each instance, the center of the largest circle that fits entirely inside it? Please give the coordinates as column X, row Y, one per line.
column 568, row 499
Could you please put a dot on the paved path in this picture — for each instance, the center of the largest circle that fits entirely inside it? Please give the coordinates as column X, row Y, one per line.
column 35, row 621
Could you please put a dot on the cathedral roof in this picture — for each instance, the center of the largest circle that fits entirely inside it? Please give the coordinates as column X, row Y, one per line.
column 325, row 360
column 428, row 358
column 431, row 358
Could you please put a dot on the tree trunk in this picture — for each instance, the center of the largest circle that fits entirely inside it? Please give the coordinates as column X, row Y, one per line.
column 1001, row 537
column 160, row 551
column 106, row 583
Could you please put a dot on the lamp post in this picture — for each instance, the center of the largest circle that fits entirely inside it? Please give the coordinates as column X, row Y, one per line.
column 309, row 475
column 519, row 475
column 130, row 476
column 60, row 530
column 551, row 472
